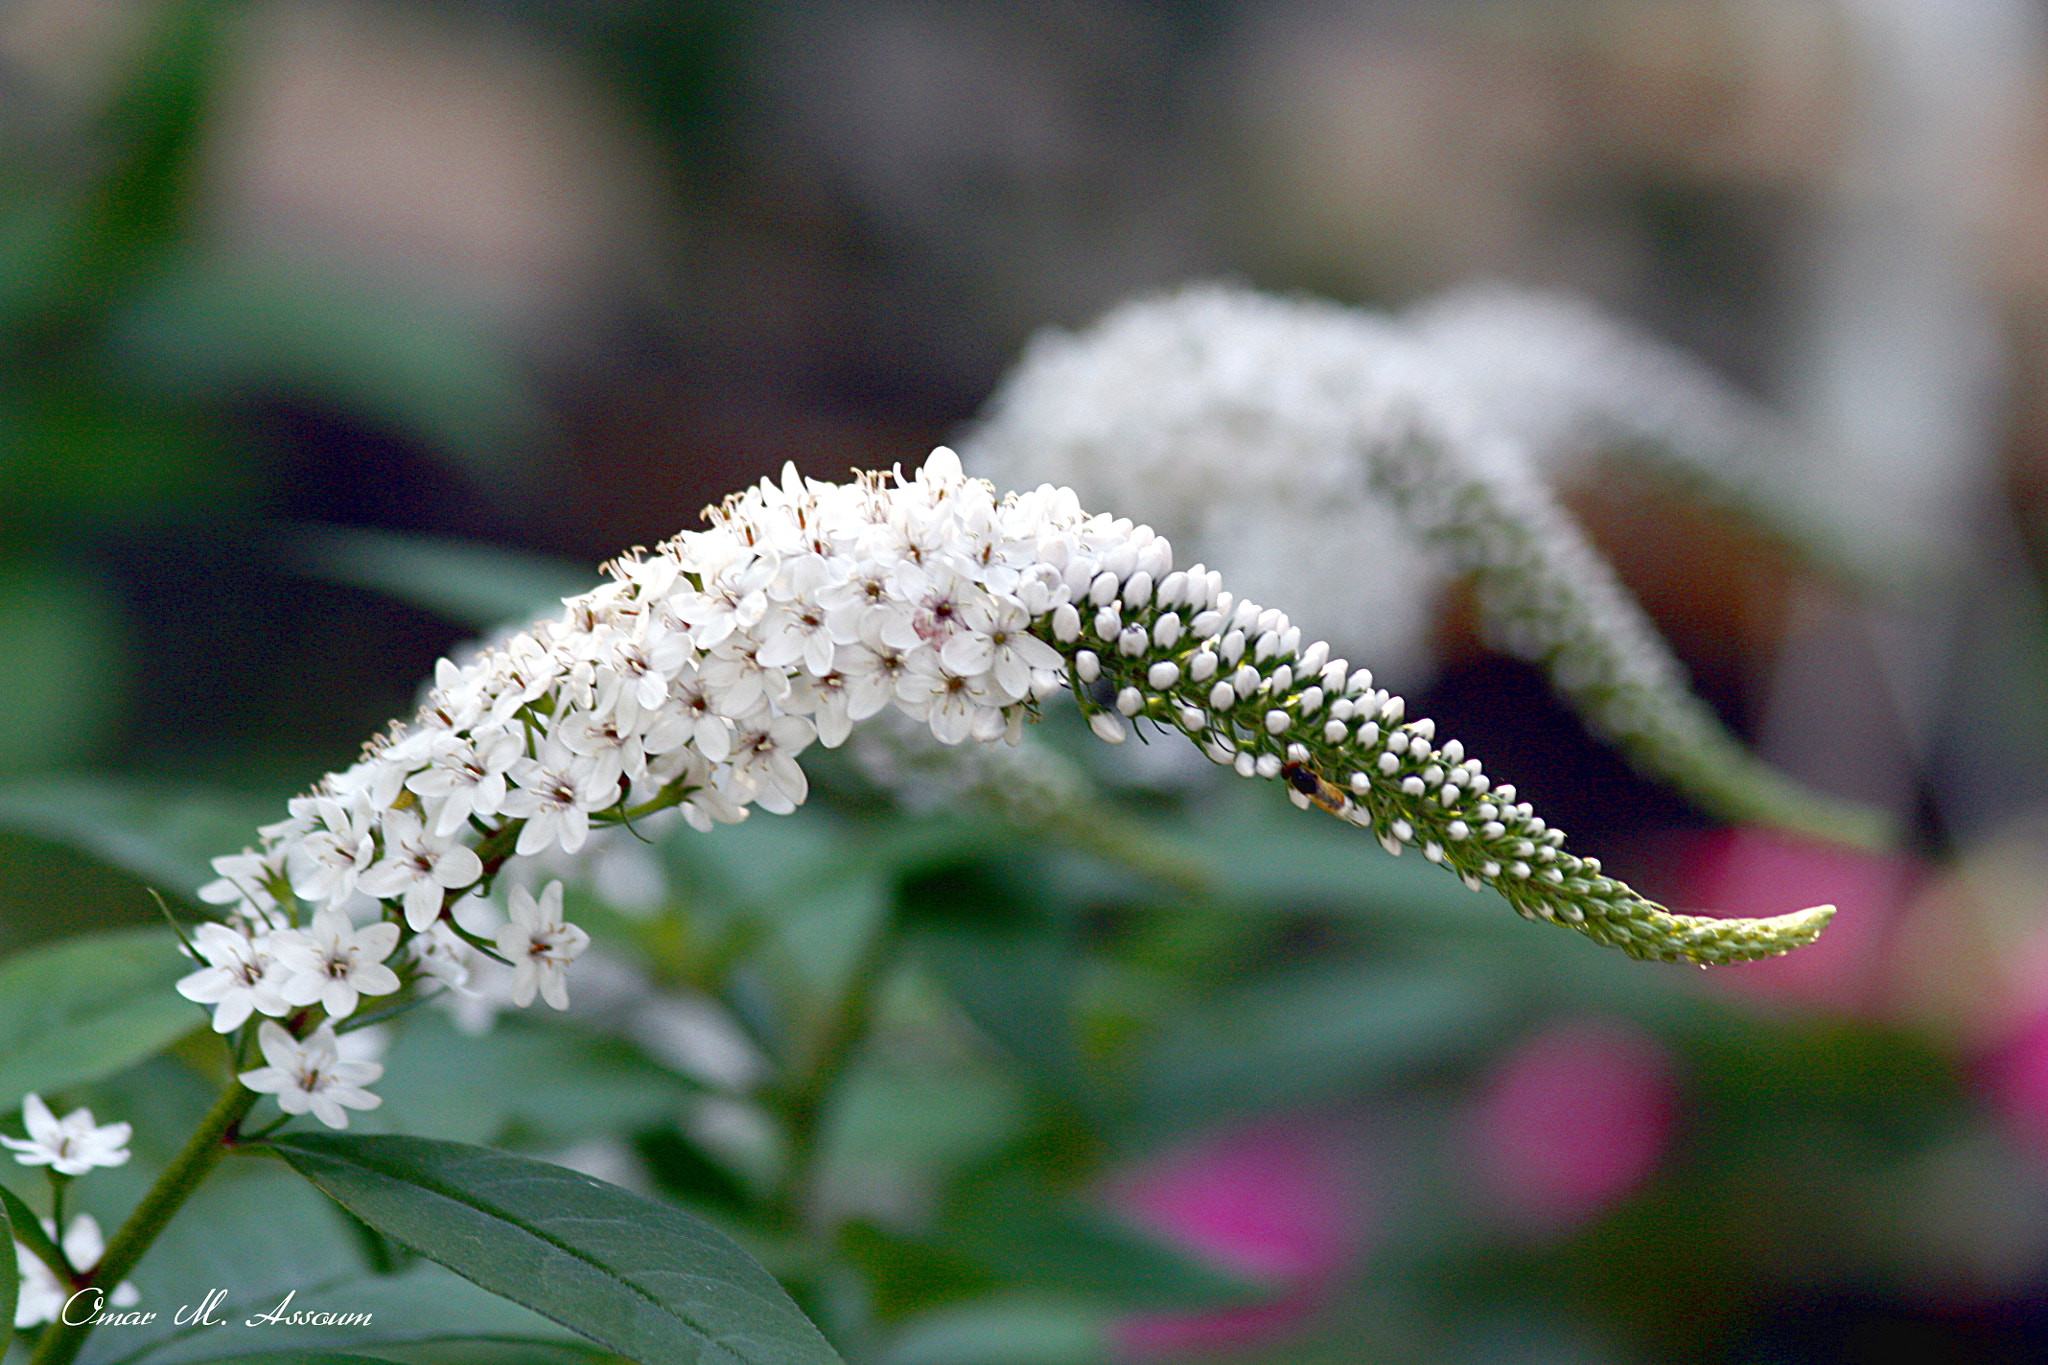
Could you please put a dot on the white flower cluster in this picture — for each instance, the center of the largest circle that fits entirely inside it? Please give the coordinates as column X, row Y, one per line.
column 1358, row 462
column 695, row 678
column 43, row 1296
column 70, row 1146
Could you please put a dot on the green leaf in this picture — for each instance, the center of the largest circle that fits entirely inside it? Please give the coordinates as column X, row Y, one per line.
column 643, row 1278
column 257, row 1231
column 1010, row 1331
column 1316, row 1032
column 423, row 1303
column 556, row 1085
column 1034, row 1236
column 28, row 1230
column 473, row 584
column 165, row 836
column 301, row 1358
column 10, row 1282
column 218, row 328
column 88, row 1007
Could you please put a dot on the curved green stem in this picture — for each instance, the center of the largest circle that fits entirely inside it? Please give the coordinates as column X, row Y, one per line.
column 207, row 1145
column 806, row 1101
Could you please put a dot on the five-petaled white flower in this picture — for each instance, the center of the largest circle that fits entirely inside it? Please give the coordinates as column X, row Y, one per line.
column 240, row 978
column 308, row 1075
column 71, row 1145
column 334, row 962
column 43, row 1295
column 419, row 866
column 539, row 946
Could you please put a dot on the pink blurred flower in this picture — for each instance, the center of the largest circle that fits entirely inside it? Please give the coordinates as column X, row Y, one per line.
column 1282, row 1201
column 2013, row 1079
column 1971, row 956
column 1569, row 1122
column 1742, row 872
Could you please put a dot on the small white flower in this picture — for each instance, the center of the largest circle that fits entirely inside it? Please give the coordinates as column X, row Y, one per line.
column 735, row 594
column 420, row 867
column 555, row 795
column 245, row 878
column 334, row 962
column 957, row 707
column 540, row 946
column 441, row 954
column 241, row 977
column 309, row 1076
column 72, row 1145
column 764, row 762
column 1002, row 647
column 43, row 1296
column 465, row 778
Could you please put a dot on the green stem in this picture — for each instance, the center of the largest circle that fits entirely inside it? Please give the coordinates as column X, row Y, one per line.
column 1104, row 831
column 806, row 1102
column 207, row 1145
column 58, row 1184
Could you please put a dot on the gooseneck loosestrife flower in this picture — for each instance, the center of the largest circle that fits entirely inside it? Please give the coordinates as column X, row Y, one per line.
column 42, row 1295
column 71, row 1145
column 696, row 677
column 1280, row 435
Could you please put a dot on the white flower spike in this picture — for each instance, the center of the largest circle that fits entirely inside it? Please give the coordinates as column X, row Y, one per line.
column 1359, row 463
column 696, row 678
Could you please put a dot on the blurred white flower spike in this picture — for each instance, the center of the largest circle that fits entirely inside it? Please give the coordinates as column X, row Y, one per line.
column 695, row 679
column 1358, row 462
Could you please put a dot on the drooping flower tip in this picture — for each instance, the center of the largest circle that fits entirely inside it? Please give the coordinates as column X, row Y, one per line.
column 696, row 678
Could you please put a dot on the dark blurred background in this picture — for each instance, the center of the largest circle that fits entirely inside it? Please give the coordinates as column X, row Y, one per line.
column 555, row 276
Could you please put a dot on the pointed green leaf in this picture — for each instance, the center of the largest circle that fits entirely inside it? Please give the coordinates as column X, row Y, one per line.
column 88, row 1007
column 472, row 584
column 259, row 1233
column 28, row 1230
column 421, row 1304
column 1034, row 1236
column 1313, row 1033
column 300, row 1358
column 1019, row 1331
column 166, row 836
column 10, row 1282
column 640, row 1277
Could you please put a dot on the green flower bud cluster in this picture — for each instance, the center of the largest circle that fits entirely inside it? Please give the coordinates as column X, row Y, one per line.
column 1237, row 681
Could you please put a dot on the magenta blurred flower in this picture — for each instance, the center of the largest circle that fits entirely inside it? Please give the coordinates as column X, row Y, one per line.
column 1569, row 1122
column 2014, row 1081
column 1281, row 1201
column 1738, row 872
